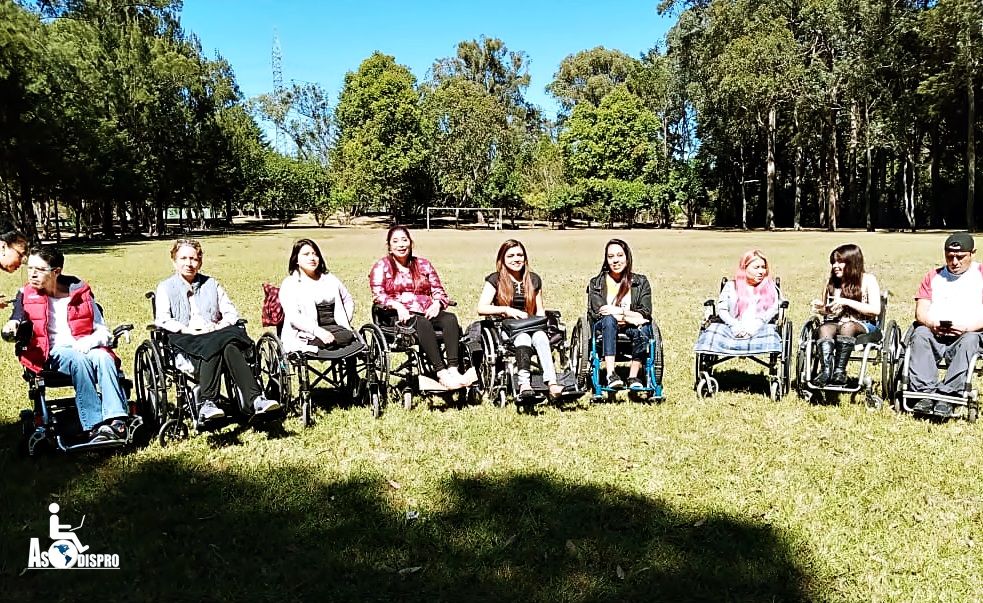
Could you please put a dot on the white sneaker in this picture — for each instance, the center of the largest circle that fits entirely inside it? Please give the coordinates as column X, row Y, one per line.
column 262, row 405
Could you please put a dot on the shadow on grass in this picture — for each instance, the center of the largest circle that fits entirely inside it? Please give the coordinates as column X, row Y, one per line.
column 192, row 530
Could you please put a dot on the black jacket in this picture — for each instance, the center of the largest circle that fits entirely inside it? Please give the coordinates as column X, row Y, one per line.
column 597, row 296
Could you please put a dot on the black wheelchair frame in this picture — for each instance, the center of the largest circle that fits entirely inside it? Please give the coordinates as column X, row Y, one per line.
column 497, row 369
column 402, row 341
column 55, row 420
column 778, row 364
column 155, row 371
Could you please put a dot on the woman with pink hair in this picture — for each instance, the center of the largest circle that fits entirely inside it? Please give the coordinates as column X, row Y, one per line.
column 746, row 310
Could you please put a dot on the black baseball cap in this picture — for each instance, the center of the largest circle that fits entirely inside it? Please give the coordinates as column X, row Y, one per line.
column 960, row 241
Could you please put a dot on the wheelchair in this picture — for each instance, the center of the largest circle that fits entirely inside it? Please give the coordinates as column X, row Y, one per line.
column 498, row 371
column 898, row 391
column 360, row 371
column 870, row 349
column 586, row 361
column 55, row 421
column 778, row 363
column 156, row 370
column 412, row 373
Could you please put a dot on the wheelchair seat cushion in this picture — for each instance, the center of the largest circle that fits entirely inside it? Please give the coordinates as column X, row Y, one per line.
column 354, row 347
column 874, row 336
column 718, row 338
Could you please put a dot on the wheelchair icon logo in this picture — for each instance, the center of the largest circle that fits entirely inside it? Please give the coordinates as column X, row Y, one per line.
column 66, row 550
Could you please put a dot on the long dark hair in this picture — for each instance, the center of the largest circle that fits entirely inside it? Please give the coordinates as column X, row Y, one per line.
column 292, row 263
column 505, row 292
column 624, row 285
column 853, row 272
column 419, row 283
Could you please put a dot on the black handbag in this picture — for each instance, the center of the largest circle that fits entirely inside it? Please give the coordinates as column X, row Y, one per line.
column 514, row 326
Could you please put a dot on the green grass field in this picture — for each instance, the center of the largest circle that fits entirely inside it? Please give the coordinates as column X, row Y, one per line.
column 734, row 498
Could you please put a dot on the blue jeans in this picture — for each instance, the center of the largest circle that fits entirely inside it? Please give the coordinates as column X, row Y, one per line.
column 640, row 336
column 96, row 366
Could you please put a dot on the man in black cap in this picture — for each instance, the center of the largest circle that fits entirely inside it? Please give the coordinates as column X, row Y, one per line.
column 949, row 316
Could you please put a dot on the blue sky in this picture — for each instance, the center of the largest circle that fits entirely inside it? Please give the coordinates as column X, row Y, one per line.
column 322, row 40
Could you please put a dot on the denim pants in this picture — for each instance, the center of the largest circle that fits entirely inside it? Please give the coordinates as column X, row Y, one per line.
column 640, row 336
column 97, row 366
column 541, row 343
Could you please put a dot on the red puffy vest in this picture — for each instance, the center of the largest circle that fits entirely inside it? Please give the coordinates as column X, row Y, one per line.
column 80, row 320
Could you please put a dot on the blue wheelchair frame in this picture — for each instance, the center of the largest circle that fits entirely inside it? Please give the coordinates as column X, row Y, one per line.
column 651, row 369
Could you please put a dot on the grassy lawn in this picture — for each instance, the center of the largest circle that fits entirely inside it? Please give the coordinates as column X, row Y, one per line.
column 734, row 498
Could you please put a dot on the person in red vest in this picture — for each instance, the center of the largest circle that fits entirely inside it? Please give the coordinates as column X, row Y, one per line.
column 70, row 336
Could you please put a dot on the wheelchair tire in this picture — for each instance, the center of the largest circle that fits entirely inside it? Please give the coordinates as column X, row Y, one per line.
column 373, row 368
column 305, row 413
column 785, row 372
column 888, row 357
column 273, row 370
column 657, row 363
column 580, row 351
column 489, row 373
column 174, row 430
column 150, row 385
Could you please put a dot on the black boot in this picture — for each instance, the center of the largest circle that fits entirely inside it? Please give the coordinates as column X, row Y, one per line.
column 844, row 347
column 826, row 347
column 523, row 360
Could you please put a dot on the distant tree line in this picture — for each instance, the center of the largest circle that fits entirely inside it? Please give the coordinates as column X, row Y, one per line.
column 855, row 113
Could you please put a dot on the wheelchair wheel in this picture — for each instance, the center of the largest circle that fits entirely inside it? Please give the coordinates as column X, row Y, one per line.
column 657, row 364
column 174, row 430
column 784, row 380
column 373, row 368
column 580, row 351
column 151, row 386
column 273, row 370
column 489, row 371
column 888, row 356
column 801, row 368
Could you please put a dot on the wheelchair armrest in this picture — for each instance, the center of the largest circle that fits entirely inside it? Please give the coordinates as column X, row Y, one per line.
column 552, row 313
column 451, row 303
column 784, row 304
column 121, row 331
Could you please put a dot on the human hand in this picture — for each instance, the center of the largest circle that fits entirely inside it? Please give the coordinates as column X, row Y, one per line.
column 742, row 334
column 324, row 335
column 515, row 313
column 433, row 310
column 817, row 306
column 10, row 329
column 402, row 314
column 609, row 310
column 83, row 344
column 3, row 301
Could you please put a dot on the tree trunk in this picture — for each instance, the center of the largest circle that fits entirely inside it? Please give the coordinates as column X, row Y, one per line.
column 770, row 134
column 970, row 153
column 833, row 189
column 869, row 189
column 909, row 188
column 743, row 194
column 938, row 210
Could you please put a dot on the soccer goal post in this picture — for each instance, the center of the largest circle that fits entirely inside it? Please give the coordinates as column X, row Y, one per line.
column 495, row 222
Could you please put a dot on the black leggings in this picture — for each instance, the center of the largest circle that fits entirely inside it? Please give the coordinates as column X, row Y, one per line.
column 210, row 373
column 427, row 336
column 849, row 328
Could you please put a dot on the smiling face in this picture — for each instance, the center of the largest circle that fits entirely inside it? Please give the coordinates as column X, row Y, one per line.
column 308, row 260
column 756, row 271
column 187, row 262
column 837, row 266
column 400, row 245
column 41, row 275
column 514, row 260
column 12, row 256
column 617, row 259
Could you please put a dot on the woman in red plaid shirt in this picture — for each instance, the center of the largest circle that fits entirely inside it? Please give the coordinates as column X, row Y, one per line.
column 410, row 286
